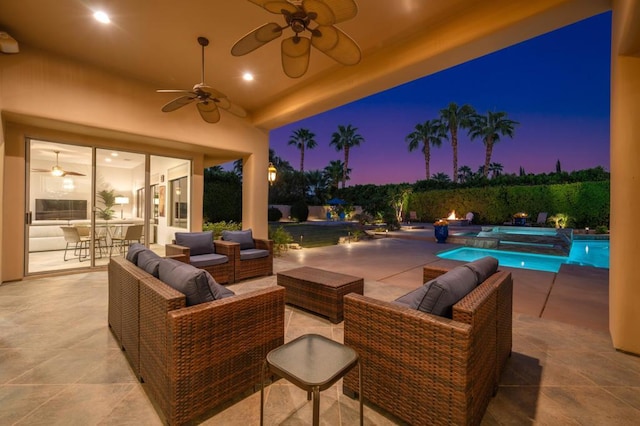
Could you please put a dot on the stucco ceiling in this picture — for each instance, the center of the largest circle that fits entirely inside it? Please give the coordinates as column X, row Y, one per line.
column 155, row 42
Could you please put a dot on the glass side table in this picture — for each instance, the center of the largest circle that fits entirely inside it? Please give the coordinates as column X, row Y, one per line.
column 312, row 363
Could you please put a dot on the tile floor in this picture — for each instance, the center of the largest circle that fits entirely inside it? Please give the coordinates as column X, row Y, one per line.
column 59, row 363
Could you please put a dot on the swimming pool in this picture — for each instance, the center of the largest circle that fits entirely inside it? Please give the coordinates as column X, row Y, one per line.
column 583, row 252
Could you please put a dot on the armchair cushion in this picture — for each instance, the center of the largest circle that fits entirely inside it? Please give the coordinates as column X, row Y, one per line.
column 244, row 238
column 197, row 285
column 253, row 254
column 134, row 250
column 440, row 294
column 198, row 242
column 209, row 259
column 149, row 261
column 483, row 267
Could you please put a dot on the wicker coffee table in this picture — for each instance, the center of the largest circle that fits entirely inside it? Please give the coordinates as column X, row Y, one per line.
column 319, row 291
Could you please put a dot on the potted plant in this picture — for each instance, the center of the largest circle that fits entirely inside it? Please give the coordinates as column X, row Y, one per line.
column 108, row 198
column 441, row 230
column 520, row 219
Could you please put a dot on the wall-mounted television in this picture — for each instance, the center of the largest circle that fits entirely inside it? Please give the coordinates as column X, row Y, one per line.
column 60, row 209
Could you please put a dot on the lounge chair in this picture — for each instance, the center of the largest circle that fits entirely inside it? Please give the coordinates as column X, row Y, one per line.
column 541, row 220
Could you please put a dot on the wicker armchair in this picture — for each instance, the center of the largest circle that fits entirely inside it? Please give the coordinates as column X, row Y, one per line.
column 249, row 268
column 423, row 368
column 222, row 272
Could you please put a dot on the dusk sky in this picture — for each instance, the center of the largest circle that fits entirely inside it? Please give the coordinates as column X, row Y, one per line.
column 556, row 86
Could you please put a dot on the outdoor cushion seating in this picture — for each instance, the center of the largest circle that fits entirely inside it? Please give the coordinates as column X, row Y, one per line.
column 191, row 359
column 253, row 257
column 438, row 370
column 205, row 253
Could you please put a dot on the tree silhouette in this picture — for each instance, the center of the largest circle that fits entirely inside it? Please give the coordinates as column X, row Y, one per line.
column 343, row 140
column 489, row 128
column 302, row 139
column 453, row 118
column 425, row 135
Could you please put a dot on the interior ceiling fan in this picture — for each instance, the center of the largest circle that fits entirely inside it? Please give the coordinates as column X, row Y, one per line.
column 208, row 99
column 57, row 170
column 300, row 16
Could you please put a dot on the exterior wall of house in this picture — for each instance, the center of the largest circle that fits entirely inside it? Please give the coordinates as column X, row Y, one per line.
column 55, row 99
column 624, row 280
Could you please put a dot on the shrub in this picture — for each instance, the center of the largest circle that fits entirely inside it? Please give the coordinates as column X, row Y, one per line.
column 274, row 214
column 299, row 211
column 601, row 229
column 281, row 240
column 218, row 227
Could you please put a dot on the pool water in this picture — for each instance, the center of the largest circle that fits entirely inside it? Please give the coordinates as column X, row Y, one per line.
column 583, row 252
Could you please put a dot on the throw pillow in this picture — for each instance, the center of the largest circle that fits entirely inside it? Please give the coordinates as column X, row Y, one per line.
column 198, row 242
column 149, row 261
column 134, row 250
column 244, row 238
column 217, row 290
column 188, row 280
column 483, row 267
column 443, row 292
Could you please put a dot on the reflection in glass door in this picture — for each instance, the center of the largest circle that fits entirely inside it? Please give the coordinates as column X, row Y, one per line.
column 59, row 194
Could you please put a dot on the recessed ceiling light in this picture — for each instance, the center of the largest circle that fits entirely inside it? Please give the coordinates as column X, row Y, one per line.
column 102, row 17
column 247, row 76
column 114, row 154
column 108, row 160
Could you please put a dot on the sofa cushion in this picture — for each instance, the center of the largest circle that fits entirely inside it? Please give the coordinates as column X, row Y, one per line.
column 244, row 238
column 210, row 259
column 134, row 250
column 196, row 284
column 198, row 242
column 253, row 254
column 412, row 299
column 483, row 267
column 149, row 261
column 441, row 293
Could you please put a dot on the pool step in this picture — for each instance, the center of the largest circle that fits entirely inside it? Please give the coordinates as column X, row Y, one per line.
column 557, row 245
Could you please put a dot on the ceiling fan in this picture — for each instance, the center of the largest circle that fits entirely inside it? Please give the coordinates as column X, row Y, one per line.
column 57, row 171
column 299, row 16
column 208, row 98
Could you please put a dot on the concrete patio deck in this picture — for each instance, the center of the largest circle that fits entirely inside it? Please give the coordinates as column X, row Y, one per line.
column 61, row 365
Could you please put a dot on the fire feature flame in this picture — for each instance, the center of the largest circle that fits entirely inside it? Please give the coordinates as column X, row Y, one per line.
column 452, row 215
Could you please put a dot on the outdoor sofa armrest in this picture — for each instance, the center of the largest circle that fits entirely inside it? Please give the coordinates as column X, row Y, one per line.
column 174, row 249
column 264, row 245
column 431, row 272
column 227, row 248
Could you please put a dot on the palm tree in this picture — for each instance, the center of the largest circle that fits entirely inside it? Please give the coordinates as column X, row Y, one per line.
column 318, row 185
column 301, row 139
column 495, row 169
column 334, row 172
column 453, row 118
column 429, row 133
column 441, row 177
column 489, row 128
column 343, row 140
column 464, row 174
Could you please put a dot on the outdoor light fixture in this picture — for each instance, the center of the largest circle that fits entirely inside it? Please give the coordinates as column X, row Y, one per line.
column 271, row 175
column 122, row 201
column 178, row 191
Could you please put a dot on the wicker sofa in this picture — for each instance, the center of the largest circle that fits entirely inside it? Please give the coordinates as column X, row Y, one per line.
column 427, row 369
column 191, row 359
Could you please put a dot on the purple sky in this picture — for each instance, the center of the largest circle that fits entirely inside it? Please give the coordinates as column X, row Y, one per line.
column 556, row 86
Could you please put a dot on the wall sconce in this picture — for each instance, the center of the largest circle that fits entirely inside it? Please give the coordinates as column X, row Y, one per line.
column 178, row 191
column 122, row 201
column 271, row 173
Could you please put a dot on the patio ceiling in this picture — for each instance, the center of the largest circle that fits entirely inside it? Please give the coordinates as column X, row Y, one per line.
column 155, row 43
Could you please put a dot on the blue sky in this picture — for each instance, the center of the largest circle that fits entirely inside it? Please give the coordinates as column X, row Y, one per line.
column 556, row 86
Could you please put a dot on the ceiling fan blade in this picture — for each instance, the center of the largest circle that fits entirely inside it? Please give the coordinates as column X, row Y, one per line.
column 72, row 174
column 177, row 103
column 173, row 91
column 274, row 6
column 213, row 93
column 209, row 111
column 295, row 56
column 41, row 170
column 234, row 109
column 336, row 44
column 256, row 38
column 331, row 11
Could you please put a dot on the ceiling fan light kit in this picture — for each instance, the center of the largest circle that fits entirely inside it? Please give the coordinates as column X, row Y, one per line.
column 209, row 100
column 56, row 170
column 300, row 17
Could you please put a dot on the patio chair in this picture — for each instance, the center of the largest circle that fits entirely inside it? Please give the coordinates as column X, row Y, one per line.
column 413, row 216
column 79, row 243
column 133, row 233
column 541, row 220
column 252, row 257
column 215, row 257
column 469, row 217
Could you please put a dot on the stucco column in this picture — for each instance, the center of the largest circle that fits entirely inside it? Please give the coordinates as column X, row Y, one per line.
column 624, row 279
column 255, row 191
